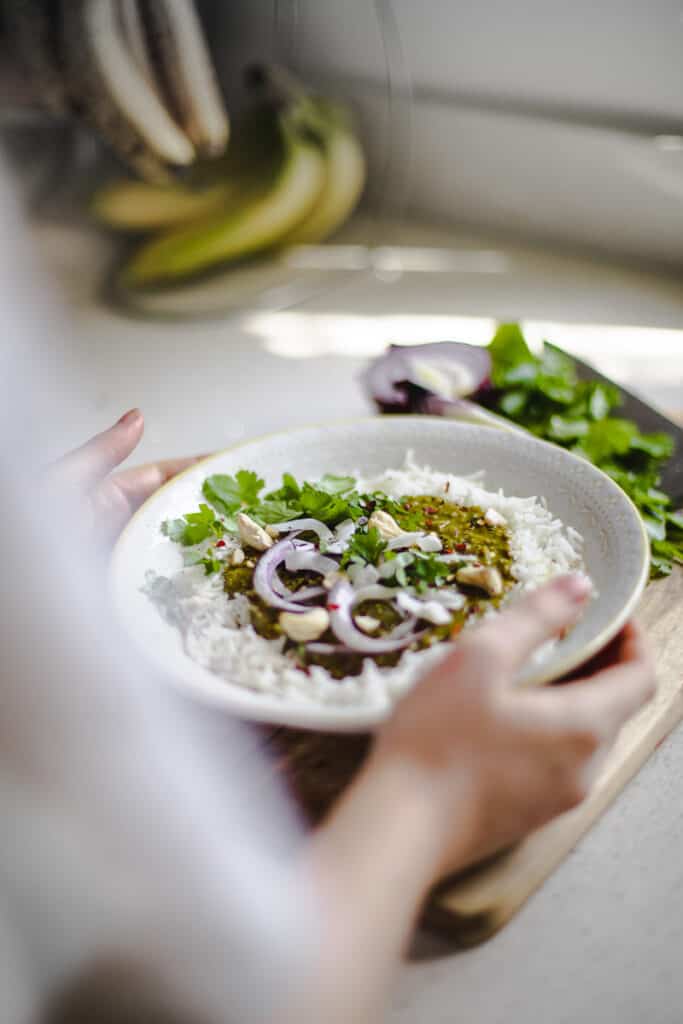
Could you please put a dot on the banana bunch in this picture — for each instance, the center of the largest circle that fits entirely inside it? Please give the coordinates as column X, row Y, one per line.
column 292, row 174
column 138, row 71
column 206, row 192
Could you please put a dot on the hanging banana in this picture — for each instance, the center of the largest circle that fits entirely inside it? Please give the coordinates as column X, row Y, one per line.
column 272, row 182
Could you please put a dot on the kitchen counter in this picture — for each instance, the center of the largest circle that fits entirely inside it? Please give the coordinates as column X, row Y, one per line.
column 602, row 940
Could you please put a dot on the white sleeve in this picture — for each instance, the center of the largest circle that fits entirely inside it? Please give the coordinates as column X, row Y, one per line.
column 128, row 821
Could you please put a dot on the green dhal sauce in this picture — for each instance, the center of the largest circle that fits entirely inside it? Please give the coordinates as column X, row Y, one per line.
column 461, row 530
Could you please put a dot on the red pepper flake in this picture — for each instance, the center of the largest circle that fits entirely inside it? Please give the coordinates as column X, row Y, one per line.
column 448, row 551
column 220, row 543
column 333, row 607
column 461, row 548
column 430, row 510
column 429, row 522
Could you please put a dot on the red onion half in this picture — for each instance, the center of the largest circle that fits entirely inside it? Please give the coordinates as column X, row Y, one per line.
column 401, row 379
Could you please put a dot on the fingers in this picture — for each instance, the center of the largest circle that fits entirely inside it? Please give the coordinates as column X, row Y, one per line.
column 94, row 460
column 138, row 483
column 607, row 699
column 534, row 619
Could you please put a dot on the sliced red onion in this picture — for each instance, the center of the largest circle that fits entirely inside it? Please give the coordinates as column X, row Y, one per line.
column 373, row 592
column 303, row 525
column 424, row 541
column 309, row 560
column 389, row 569
column 400, row 380
column 269, row 586
column 342, row 535
column 340, row 604
column 362, row 575
column 448, row 597
column 430, row 611
column 318, row 647
column 467, row 412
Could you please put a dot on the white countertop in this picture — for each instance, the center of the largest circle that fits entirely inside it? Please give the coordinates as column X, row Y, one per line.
column 603, row 939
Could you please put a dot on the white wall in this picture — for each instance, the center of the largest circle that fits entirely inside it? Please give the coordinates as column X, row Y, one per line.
column 540, row 118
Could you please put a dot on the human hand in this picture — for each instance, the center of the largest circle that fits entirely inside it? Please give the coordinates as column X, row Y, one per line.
column 86, row 476
column 494, row 761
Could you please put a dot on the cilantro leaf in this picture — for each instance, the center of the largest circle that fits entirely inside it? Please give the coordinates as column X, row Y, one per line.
column 513, row 360
column 211, row 564
column 560, row 428
column 194, row 527
column 230, row 493
column 276, row 510
column 544, row 395
column 328, row 508
column 659, row 446
column 336, row 484
column 606, row 438
column 428, row 570
column 289, row 491
column 364, row 546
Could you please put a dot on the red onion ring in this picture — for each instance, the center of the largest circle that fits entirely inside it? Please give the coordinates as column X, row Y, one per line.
column 303, row 525
column 340, row 604
column 267, row 584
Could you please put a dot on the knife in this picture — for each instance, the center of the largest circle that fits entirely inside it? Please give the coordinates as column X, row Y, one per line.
column 648, row 420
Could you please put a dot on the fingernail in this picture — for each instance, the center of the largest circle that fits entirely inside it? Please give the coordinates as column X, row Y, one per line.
column 577, row 586
column 129, row 418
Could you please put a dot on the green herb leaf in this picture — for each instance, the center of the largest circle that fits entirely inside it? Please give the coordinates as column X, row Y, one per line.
column 562, row 429
column 510, row 354
column 289, row 491
column 656, row 528
column 545, row 396
column 230, row 493
column 659, row 446
column 512, row 403
column 211, row 564
column 364, row 546
column 336, row 484
column 275, row 511
column 194, row 527
column 428, row 570
column 607, row 438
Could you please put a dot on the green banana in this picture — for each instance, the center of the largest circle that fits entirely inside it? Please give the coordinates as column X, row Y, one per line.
column 130, row 205
column 344, row 180
column 275, row 179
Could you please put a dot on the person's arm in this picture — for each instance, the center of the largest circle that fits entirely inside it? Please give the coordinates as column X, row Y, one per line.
column 465, row 766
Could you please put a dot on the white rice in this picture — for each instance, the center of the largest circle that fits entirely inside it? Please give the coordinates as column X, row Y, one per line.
column 216, row 631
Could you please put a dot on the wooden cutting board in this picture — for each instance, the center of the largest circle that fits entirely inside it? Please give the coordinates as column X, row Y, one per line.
column 472, row 907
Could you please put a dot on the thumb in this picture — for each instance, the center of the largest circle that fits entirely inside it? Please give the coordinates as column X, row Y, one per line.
column 95, row 459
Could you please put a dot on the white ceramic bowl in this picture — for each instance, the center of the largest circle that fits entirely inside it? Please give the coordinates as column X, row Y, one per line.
column 616, row 547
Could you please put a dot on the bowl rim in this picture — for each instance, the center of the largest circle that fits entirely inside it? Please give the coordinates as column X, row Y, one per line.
column 313, row 716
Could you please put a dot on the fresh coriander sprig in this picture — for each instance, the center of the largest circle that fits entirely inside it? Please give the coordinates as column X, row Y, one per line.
column 544, row 395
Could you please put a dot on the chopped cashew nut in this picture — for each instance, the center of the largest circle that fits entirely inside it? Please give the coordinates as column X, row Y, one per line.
column 494, row 518
column 330, row 578
column 251, row 534
column 304, row 626
column 386, row 525
column 482, row 576
column 237, row 557
column 272, row 532
column 367, row 623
